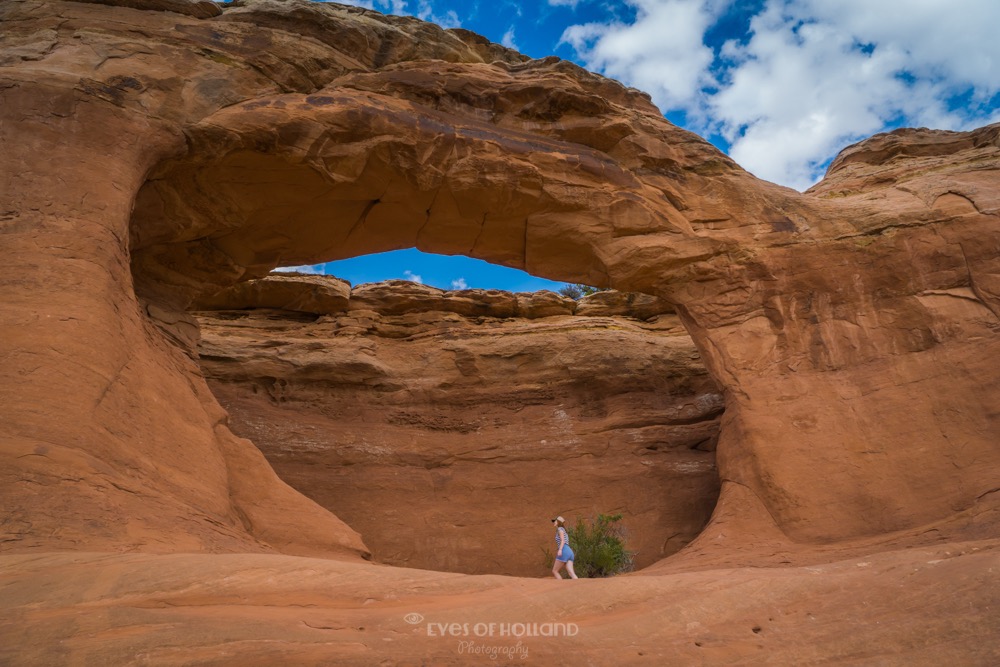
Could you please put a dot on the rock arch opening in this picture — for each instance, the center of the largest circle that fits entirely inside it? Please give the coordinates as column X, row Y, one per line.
column 449, row 272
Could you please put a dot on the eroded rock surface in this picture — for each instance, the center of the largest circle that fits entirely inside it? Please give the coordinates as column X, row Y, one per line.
column 447, row 427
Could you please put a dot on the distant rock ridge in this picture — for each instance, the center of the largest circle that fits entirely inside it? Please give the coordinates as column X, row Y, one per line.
column 882, row 165
column 326, row 295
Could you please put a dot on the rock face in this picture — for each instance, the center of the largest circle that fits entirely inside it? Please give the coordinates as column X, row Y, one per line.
column 158, row 151
column 448, row 427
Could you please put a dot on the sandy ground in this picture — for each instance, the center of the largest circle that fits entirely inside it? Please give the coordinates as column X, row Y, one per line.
column 928, row 606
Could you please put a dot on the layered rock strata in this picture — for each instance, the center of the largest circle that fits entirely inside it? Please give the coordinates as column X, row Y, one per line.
column 448, row 427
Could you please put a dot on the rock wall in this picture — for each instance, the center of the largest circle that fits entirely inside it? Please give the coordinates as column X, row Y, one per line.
column 866, row 350
column 447, row 428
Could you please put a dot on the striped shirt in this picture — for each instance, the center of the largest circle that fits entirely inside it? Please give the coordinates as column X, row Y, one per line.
column 560, row 534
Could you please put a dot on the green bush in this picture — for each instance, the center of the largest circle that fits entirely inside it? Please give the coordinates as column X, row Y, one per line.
column 599, row 547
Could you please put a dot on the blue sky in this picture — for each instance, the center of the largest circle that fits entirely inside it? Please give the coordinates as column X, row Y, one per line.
column 446, row 272
column 779, row 85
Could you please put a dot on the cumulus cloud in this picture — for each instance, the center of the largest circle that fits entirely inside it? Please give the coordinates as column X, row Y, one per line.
column 812, row 79
column 413, row 277
column 812, row 75
column 367, row 4
column 425, row 11
column 508, row 39
column 662, row 52
column 459, row 284
column 387, row 6
column 318, row 269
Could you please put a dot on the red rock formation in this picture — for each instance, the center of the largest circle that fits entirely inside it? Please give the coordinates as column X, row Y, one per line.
column 861, row 347
column 448, row 427
column 156, row 151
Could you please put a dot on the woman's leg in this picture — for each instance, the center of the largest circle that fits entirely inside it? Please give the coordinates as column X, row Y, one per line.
column 569, row 568
column 556, row 567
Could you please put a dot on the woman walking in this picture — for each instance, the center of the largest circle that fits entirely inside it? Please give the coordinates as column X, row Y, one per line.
column 564, row 554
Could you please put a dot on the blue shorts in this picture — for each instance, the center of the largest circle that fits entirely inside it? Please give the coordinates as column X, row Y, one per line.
column 567, row 555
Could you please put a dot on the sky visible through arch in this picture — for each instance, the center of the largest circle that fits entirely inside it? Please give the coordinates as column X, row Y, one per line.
column 779, row 85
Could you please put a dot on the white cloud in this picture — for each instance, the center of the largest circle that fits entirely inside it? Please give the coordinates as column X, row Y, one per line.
column 412, row 277
column 459, row 284
column 661, row 52
column 811, row 80
column 449, row 19
column 813, row 76
column 956, row 39
column 508, row 39
column 425, row 10
column 397, row 7
column 564, row 3
column 510, row 7
column 318, row 269
column 367, row 4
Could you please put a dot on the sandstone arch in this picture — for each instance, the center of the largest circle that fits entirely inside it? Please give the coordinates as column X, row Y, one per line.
column 858, row 314
column 353, row 178
column 588, row 201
